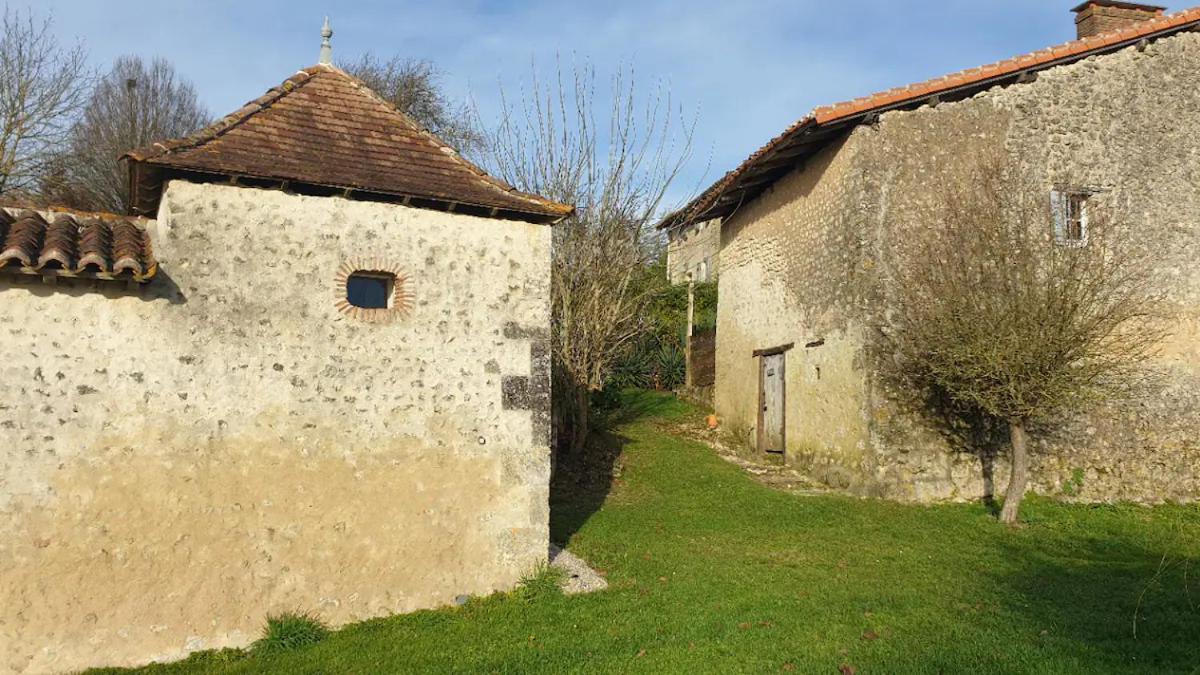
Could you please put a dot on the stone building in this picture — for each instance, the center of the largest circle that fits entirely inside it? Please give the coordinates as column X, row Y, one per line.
column 310, row 373
column 693, row 251
column 1113, row 117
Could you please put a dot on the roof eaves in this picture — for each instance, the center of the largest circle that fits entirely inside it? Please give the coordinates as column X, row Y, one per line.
column 546, row 216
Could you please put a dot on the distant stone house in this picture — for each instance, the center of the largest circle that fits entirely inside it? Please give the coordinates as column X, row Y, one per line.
column 311, row 373
column 1112, row 118
column 693, row 250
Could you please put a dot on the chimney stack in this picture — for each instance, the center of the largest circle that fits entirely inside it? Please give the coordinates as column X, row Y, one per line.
column 1101, row 16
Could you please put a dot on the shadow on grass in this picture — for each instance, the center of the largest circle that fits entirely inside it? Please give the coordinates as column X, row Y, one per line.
column 580, row 484
column 1117, row 601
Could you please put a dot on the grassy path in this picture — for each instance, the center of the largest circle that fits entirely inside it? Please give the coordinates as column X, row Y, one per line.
column 710, row 571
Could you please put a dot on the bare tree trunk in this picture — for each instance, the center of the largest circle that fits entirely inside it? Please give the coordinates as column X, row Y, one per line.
column 1020, row 471
column 579, row 433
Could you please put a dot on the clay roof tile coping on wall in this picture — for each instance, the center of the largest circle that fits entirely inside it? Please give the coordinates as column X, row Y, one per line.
column 716, row 202
column 72, row 244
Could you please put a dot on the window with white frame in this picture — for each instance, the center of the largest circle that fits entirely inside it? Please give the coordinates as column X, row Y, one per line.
column 1070, row 212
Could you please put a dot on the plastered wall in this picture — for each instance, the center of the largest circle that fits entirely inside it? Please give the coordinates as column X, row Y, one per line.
column 179, row 463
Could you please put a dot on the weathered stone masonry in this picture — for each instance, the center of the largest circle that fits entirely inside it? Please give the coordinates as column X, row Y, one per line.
column 802, row 262
column 179, row 463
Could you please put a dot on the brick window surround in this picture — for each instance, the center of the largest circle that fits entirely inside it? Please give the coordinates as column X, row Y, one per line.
column 399, row 305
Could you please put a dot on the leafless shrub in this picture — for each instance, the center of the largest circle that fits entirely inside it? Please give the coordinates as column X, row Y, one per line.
column 616, row 166
column 134, row 105
column 414, row 86
column 42, row 84
column 993, row 314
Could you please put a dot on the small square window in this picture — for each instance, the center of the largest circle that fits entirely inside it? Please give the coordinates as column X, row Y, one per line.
column 369, row 291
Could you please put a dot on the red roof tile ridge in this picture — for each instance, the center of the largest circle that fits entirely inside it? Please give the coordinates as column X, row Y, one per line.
column 983, row 73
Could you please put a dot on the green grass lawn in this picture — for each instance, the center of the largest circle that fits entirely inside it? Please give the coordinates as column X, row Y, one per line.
column 710, row 571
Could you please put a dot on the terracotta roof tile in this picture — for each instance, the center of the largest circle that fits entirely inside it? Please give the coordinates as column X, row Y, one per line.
column 717, row 200
column 1076, row 48
column 324, row 127
column 75, row 245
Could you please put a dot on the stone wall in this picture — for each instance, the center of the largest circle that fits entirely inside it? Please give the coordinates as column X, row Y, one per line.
column 180, row 463
column 694, row 250
column 802, row 263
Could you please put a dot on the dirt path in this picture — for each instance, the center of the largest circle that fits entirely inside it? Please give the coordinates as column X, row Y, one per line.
column 774, row 475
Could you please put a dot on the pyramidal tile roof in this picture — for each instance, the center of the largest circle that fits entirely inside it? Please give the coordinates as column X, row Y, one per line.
column 324, row 127
column 801, row 139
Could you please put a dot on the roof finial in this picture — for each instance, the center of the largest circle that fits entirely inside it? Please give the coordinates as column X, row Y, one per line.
column 326, row 48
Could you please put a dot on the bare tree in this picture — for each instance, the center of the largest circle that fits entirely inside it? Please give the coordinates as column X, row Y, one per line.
column 42, row 84
column 414, row 86
column 617, row 173
column 135, row 104
column 1005, row 319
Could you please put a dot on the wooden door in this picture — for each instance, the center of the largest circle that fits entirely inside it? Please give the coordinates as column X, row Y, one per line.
column 772, row 400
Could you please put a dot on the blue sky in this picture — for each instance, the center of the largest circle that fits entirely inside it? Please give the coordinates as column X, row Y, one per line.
column 746, row 69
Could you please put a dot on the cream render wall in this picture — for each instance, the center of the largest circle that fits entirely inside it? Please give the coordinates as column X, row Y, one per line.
column 787, row 276
column 178, row 464
column 807, row 261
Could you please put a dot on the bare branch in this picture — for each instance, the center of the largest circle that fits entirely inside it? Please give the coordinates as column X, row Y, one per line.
column 988, row 310
column 414, row 86
column 41, row 87
column 549, row 142
column 135, row 104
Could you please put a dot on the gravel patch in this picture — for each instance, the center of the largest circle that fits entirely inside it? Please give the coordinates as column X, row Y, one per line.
column 580, row 578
